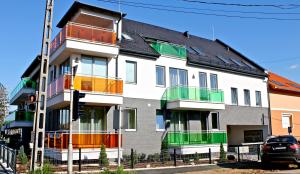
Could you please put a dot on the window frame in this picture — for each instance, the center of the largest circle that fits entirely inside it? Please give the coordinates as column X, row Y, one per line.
column 218, row 120
column 245, row 99
column 260, row 101
column 127, row 129
column 210, row 78
column 157, row 129
column 135, row 72
column 290, row 115
column 93, row 59
column 178, row 76
column 164, row 76
column 205, row 79
column 237, row 96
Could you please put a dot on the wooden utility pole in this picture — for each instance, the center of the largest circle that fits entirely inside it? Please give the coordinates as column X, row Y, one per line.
column 37, row 155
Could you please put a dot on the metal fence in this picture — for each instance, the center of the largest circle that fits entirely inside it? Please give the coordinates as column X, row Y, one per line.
column 8, row 157
column 245, row 152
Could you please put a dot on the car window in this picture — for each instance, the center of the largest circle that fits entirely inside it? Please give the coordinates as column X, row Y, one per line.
column 282, row 139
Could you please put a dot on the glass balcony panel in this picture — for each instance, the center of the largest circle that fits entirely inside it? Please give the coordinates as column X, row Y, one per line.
column 170, row 49
column 25, row 83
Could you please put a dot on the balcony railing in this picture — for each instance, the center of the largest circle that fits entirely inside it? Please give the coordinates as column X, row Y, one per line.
column 193, row 94
column 195, row 138
column 83, row 32
column 165, row 48
column 19, row 116
column 110, row 86
column 60, row 140
column 25, row 83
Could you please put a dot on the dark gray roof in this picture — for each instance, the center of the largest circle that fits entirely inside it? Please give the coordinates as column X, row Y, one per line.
column 235, row 61
column 35, row 63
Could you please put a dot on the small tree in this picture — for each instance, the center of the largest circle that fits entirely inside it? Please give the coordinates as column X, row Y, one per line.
column 103, row 161
column 164, row 151
column 196, row 157
column 22, row 156
column 222, row 153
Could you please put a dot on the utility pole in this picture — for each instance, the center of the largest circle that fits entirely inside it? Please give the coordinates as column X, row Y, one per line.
column 37, row 155
column 119, row 136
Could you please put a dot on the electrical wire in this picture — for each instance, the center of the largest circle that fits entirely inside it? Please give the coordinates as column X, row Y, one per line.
column 140, row 5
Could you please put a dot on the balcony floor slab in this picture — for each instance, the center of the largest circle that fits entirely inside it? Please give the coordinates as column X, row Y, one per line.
column 194, row 105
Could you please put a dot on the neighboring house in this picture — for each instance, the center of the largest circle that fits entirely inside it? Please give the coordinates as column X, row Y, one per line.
column 192, row 93
column 284, row 105
column 19, row 123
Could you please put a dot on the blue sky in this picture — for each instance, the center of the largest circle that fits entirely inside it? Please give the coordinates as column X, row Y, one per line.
column 272, row 44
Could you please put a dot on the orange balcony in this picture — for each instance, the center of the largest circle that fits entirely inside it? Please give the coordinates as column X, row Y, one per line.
column 101, row 85
column 60, row 140
column 84, row 33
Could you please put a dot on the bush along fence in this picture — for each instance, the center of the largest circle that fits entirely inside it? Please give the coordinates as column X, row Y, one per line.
column 8, row 158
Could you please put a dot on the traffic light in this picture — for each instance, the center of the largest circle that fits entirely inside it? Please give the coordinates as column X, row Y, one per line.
column 78, row 107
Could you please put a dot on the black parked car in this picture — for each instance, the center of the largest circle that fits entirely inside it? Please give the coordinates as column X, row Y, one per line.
column 281, row 149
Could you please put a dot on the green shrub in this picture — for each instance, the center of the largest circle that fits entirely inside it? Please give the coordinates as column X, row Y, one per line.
column 46, row 169
column 154, row 157
column 164, row 151
column 222, row 153
column 22, row 157
column 103, row 161
column 141, row 157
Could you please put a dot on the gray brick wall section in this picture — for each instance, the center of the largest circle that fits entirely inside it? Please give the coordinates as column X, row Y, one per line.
column 146, row 139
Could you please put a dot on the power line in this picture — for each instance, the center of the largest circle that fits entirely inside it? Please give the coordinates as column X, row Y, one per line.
column 152, row 7
column 280, row 6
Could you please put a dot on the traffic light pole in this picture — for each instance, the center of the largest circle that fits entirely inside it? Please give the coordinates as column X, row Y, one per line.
column 70, row 146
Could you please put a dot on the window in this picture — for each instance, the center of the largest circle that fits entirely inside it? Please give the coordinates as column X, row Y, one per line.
column 203, row 80
column 64, row 68
column 215, row 121
column 160, row 76
column 130, row 119
column 160, row 123
column 131, row 72
column 234, row 96
column 247, row 97
column 251, row 136
column 213, row 81
column 126, row 36
column 178, row 77
column 93, row 66
column 258, row 98
column 287, row 120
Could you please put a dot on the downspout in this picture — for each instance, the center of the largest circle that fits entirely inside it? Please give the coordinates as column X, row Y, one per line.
column 269, row 109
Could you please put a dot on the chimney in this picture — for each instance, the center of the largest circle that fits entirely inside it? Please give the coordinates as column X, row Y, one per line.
column 186, row 34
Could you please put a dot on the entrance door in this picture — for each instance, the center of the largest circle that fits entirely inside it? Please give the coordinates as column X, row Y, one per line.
column 180, row 127
column 204, row 127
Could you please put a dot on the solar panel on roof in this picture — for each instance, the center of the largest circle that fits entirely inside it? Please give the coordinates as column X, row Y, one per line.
column 294, row 85
column 248, row 64
column 223, row 59
column 277, row 83
column 190, row 50
column 198, row 51
column 237, row 62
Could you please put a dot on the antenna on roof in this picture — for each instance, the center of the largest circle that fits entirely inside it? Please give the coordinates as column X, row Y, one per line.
column 213, row 32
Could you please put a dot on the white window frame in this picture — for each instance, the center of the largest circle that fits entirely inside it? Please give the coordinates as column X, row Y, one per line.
column 246, row 98
column 135, row 111
column 260, row 105
column 135, row 73
column 157, row 85
column 290, row 115
column 237, row 94
column 159, row 130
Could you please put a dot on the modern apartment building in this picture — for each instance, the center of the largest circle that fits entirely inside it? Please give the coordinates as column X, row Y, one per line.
column 192, row 93
column 18, row 124
column 284, row 105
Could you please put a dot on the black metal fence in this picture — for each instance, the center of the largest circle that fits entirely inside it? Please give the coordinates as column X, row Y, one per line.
column 8, row 157
column 245, row 152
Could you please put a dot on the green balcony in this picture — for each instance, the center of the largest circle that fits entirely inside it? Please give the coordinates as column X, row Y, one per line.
column 20, row 116
column 195, row 138
column 165, row 48
column 25, row 83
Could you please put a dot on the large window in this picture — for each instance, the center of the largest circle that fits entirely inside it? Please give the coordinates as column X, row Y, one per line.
column 247, row 97
column 234, row 96
column 160, row 76
column 64, row 68
column 93, row 120
column 213, row 81
column 93, row 66
column 178, row 77
column 160, row 123
column 131, row 76
column 215, row 120
column 287, row 120
column 258, row 98
column 203, row 80
column 130, row 122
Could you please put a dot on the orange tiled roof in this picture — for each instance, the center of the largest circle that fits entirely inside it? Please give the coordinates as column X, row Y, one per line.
column 277, row 82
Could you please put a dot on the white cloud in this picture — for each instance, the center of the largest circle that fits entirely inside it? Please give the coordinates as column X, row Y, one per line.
column 294, row 66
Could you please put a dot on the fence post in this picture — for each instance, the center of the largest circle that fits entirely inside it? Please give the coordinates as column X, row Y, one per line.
column 239, row 153
column 175, row 160
column 209, row 157
column 7, row 158
column 258, row 152
column 131, row 159
column 79, row 159
column 15, row 161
